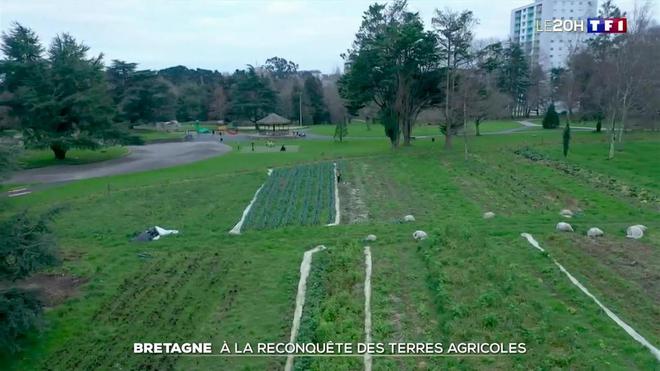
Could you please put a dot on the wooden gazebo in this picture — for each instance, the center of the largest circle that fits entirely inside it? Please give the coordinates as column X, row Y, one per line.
column 274, row 124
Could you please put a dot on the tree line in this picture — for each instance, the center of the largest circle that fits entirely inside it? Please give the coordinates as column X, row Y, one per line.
column 404, row 69
column 59, row 97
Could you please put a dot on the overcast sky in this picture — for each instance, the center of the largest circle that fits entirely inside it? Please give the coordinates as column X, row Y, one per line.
column 225, row 35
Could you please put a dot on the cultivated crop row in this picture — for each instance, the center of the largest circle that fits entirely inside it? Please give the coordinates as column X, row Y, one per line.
column 596, row 179
column 301, row 195
column 167, row 299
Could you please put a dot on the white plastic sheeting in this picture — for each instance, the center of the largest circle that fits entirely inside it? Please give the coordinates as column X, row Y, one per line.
column 566, row 213
column 408, row 218
column 305, row 266
column 164, row 232
column 371, row 237
column 635, row 231
column 367, row 305
column 489, row 215
column 631, row 331
column 337, row 212
column 420, row 235
column 564, row 227
column 237, row 228
column 595, row 232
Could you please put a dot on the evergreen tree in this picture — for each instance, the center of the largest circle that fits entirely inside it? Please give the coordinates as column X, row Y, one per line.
column 393, row 63
column 551, row 118
column 61, row 101
column 27, row 246
column 313, row 92
column 148, row 98
column 341, row 130
column 20, row 314
column 251, row 96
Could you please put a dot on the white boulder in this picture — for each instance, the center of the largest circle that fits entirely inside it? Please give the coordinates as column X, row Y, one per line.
column 408, row 218
column 595, row 232
column 489, row 215
column 566, row 213
column 635, row 231
column 420, row 235
column 564, row 227
column 370, row 237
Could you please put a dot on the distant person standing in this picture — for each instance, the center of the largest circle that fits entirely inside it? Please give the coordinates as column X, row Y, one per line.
column 252, row 146
column 283, row 149
column 338, row 176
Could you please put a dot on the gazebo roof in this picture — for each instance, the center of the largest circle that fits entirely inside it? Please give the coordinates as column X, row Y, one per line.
column 273, row 118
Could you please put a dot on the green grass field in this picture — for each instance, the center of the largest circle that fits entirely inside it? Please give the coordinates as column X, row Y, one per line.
column 362, row 130
column 156, row 135
column 473, row 280
column 34, row 158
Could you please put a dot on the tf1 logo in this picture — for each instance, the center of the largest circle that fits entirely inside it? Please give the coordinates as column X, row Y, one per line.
column 607, row 25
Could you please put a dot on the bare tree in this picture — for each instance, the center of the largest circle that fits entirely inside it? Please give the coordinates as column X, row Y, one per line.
column 455, row 39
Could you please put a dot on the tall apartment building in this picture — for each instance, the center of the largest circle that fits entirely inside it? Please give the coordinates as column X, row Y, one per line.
column 550, row 49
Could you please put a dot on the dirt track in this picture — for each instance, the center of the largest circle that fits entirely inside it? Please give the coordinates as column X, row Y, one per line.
column 141, row 158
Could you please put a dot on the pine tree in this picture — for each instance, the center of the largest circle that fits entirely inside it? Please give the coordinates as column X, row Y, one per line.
column 551, row 118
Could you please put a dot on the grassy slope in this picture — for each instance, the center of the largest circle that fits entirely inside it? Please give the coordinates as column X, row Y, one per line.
column 40, row 158
column 473, row 280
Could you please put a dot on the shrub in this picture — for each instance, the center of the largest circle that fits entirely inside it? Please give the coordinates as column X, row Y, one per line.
column 551, row 118
column 27, row 246
column 20, row 313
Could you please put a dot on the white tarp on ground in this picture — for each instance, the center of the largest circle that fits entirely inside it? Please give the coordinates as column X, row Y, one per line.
column 305, row 267
column 631, row 331
column 420, row 235
column 337, row 212
column 566, row 213
column 367, row 305
column 564, row 227
column 595, row 232
column 237, row 228
column 154, row 234
column 371, row 237
column 635, row 231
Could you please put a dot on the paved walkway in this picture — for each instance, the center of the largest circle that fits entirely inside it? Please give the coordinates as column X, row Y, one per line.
column 530, row 124
column 141, row 158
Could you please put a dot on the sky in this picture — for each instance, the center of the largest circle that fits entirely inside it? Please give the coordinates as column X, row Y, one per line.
column 225, row 35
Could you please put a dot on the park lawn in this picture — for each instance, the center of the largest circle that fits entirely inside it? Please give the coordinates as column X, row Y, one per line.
column 472, row 280
column 358, row 129
column 355, row 129
column 34, row 158
column 362, row 130
column 493, row 126
column 156, row 135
